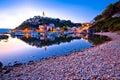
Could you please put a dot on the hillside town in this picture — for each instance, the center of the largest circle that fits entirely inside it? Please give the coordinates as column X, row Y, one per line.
column 33, row 28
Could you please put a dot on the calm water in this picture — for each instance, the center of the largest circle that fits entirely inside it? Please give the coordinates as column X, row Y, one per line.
column 23, row 49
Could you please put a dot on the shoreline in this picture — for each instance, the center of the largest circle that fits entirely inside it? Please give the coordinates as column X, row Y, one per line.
column 85, row 64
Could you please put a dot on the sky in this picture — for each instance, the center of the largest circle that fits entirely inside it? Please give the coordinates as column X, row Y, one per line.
column 14, row 12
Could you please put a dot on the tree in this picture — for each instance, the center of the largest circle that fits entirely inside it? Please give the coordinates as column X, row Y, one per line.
column 98, row 17
column 109, row 11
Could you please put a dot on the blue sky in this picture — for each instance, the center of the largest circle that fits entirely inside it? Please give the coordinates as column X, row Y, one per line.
column 14, row 12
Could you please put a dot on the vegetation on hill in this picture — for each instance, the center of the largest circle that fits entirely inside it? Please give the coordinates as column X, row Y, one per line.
column 33, row 23
column 109, row 20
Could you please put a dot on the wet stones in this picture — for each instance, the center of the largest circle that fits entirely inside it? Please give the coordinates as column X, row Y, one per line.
column 3, row 36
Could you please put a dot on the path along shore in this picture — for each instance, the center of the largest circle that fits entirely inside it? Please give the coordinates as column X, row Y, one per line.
column 101, row 62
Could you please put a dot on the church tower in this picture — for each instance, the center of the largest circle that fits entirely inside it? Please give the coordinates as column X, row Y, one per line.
column 43, row 14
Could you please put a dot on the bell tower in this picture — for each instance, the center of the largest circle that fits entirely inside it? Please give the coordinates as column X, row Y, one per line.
column 43, row 14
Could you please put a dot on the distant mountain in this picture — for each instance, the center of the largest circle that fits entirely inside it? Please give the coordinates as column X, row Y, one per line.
column 108, row 20
column 33, row 23
column 4, row 30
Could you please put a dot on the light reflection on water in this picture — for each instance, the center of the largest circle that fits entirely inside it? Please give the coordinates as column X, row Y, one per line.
column 23, row 49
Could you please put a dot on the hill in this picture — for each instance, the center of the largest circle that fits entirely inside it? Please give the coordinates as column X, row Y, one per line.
column 108, row 20
column 33, row 23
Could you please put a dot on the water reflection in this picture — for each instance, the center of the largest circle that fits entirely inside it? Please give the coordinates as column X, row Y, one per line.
column 97, row 39
column 55, row 39
column 4, row 40
column 48, row 39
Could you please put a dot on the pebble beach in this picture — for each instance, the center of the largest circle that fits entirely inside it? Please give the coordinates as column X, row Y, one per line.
column 101, row 62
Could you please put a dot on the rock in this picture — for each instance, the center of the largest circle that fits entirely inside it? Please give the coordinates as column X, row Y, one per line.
column 7, row 71
column 1, row 65
column 3, row 36
column 31, row 62
column 17, row 64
